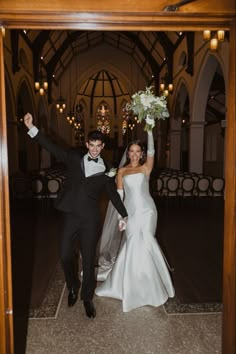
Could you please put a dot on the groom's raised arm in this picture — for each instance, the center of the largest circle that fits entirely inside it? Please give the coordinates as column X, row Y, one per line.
column 34, row 133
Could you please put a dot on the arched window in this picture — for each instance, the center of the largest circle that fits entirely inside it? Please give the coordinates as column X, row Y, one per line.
column 103, row 116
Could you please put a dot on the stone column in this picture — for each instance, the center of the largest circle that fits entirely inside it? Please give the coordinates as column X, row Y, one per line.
column 196, row 146
column 175, row 144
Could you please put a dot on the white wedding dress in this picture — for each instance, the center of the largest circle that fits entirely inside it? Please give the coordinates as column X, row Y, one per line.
column 139, row 275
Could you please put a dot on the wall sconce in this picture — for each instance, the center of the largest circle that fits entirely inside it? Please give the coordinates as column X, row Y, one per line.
column 41, row 85
column 214, row 38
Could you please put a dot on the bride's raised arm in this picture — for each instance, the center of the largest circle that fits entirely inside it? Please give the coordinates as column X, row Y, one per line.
column 150, row 151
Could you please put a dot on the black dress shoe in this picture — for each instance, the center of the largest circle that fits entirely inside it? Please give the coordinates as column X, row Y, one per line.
column 72, row 297
column 90, row 309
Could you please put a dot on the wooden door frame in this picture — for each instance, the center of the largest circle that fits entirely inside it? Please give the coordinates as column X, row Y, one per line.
column 6, row 306
column 135, row 21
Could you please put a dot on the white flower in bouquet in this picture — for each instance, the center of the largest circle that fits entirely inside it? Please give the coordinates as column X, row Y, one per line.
column 148, row 107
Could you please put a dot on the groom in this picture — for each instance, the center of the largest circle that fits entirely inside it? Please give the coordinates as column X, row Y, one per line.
column 86, row 179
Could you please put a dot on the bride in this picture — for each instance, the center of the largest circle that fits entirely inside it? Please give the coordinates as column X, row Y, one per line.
column 138, row 276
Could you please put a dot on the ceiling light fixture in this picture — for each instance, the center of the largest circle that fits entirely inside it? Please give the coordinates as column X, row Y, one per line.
column 41, row 84
column 166, row 86
column 214, row 38
column 61, row 102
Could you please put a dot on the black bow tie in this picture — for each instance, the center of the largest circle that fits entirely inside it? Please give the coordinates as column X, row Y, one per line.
column 90, row 159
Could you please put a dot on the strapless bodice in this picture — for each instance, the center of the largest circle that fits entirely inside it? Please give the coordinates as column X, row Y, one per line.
column 137, row 195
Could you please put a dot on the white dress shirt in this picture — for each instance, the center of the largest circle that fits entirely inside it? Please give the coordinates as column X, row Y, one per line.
column 92, row 167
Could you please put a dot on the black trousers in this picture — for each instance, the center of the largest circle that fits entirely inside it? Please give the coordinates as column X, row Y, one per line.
column 85, row 232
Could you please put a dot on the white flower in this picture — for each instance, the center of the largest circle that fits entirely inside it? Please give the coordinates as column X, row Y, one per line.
column 111, row 173
column 149, row 107
column 147, row 100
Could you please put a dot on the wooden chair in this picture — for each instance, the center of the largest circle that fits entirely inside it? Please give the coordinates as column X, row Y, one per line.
column 217, row 187
column 203, row 187
column 187, row 187
column 53, row 186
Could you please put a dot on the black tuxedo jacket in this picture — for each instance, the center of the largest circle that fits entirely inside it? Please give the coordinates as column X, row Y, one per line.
column 80, row 194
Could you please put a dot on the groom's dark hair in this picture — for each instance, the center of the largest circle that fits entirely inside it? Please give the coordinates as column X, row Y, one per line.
column 96, row 135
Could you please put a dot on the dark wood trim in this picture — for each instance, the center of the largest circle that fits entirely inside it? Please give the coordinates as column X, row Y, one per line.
column 114, row 21
column 229, row 280
column 6, row 307
column 214, row 15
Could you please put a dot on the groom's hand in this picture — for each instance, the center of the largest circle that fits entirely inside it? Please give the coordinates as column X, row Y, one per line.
column 28, row 120
column 122, row 223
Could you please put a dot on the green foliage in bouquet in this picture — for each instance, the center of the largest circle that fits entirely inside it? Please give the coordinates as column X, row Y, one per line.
column 147, row 106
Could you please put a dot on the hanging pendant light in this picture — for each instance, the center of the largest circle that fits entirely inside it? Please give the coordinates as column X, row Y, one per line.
column 166, row 86
column 214, row 38
column 41, row 85
column 207, row 35
column 221, row 35
column 61, row 102
column 213, row 44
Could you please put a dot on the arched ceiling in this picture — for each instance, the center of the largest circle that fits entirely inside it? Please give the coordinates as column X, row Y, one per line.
column 150, row 50
column 55, row 49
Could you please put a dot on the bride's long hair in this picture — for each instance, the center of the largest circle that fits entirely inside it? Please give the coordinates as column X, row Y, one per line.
column 143, row 157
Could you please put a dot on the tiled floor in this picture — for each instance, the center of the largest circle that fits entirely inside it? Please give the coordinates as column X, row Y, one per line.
column 142, row 331
column 191, row 237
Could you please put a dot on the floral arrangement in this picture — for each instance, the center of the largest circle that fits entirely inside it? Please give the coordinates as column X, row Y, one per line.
column 111, row 173
column 149, row 107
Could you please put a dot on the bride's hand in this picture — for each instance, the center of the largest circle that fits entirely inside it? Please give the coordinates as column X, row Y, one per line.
column 122, row 223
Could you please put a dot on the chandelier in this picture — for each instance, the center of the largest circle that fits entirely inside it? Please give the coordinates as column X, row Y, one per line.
column 61, row 102
column 75, row 115
column 214, row 38
column 70, row 117
column 41, row 85
column 75, row 119
column 166, row 86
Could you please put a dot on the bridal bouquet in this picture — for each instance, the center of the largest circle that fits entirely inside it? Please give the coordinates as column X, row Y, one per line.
column 149, row 107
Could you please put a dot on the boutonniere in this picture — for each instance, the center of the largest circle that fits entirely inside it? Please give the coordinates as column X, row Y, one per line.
column 111, row 172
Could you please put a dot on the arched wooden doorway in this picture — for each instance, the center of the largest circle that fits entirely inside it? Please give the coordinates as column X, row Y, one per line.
column 122, row 15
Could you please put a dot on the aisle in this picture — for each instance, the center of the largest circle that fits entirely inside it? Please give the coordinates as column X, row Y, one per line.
column 191, row 236
column 145, row 330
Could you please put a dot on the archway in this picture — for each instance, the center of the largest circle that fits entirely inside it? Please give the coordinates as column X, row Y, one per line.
column 153, row 20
